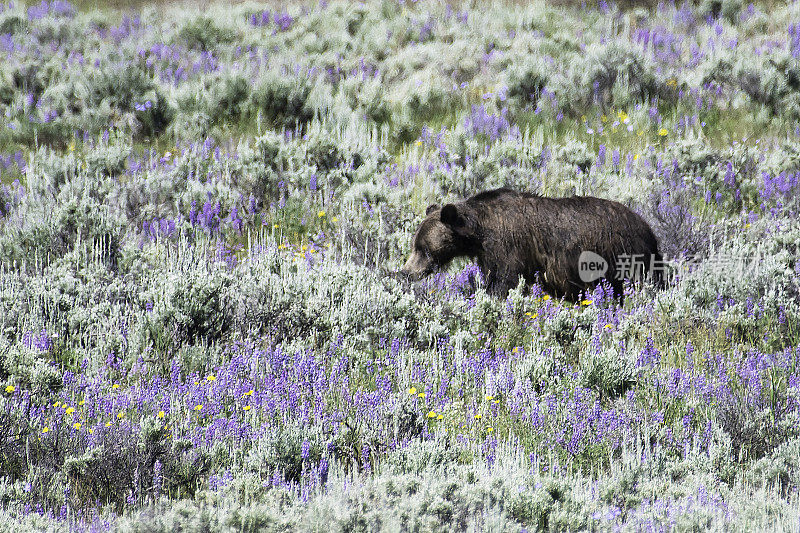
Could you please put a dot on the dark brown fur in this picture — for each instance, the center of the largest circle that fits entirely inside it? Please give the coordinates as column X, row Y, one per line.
column 513, row 234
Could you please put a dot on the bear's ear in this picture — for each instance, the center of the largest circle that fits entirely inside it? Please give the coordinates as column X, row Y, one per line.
column 431, row 209
column 451, row 216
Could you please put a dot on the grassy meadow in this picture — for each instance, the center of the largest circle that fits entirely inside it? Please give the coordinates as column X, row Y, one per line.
column 202, row 206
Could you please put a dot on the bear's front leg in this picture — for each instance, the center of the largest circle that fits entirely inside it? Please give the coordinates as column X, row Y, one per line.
column 499, row 284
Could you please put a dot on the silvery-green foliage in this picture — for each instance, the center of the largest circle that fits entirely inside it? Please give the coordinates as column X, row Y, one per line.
column 109, row 158
column 780, row 468
column 773, row 82
column 148, row 196
column 204, row 33
column 82, row 307
column 359, row 303
column 369, row 97
column 763, row 272
column 595, row 77
column 282, row 452
column 567, row 329
column 425, row 95
column 311, row 141
column 283, row 101
column 679, row 232
column 609, row 372
column 442, row 496
column 29, row 365
column 193, row 124
column 190, row 306
column 575, row 153
column 73, row 219
column 729, row 9
column 757, row 425
column 373, row 230
column 12, row 21
column 223, row 97
column 526, row 81
column 117, row 88
column 510, row 162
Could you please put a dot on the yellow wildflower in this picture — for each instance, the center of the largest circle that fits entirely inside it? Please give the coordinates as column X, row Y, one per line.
column 546, row 297
column 489, row 430
column 586, row 302
column 10, row 389
column 77, row 425
column 421, row 395
column 161, row 414
column 489, row 398
column 246, row 407
column 249, row 393
column 108, row 424
column 46, row 429
column 198, row 407
column 115, row 386
column 663, row 132
column 70, row 410
column 478, row 416
column 439, row 417
column 412, row 390
column 321, row 214
column 121, row 414
column 431, row 414
column 211, row 378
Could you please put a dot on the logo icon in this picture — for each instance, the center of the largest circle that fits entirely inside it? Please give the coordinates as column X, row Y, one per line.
column 591, row 267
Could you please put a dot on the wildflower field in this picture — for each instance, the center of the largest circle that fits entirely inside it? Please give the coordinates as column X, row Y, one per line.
column 202, row 208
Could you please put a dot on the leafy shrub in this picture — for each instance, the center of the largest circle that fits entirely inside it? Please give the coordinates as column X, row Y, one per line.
column 77, row 221
column 679, row 232
column 609, row 75
column 775, row 83
column 610, row 373
column 526, row 82
column 193, row 308
column 285, row 102
column 224, row 97
column 428, row 98
column 204, row 34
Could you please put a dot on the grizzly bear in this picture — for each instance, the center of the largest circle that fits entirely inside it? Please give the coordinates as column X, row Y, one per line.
column 567, row 244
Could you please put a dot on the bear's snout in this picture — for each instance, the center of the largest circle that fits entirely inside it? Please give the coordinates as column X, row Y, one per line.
column 416, row 267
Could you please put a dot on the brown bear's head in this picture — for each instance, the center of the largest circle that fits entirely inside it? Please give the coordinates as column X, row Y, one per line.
column 442, row 236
